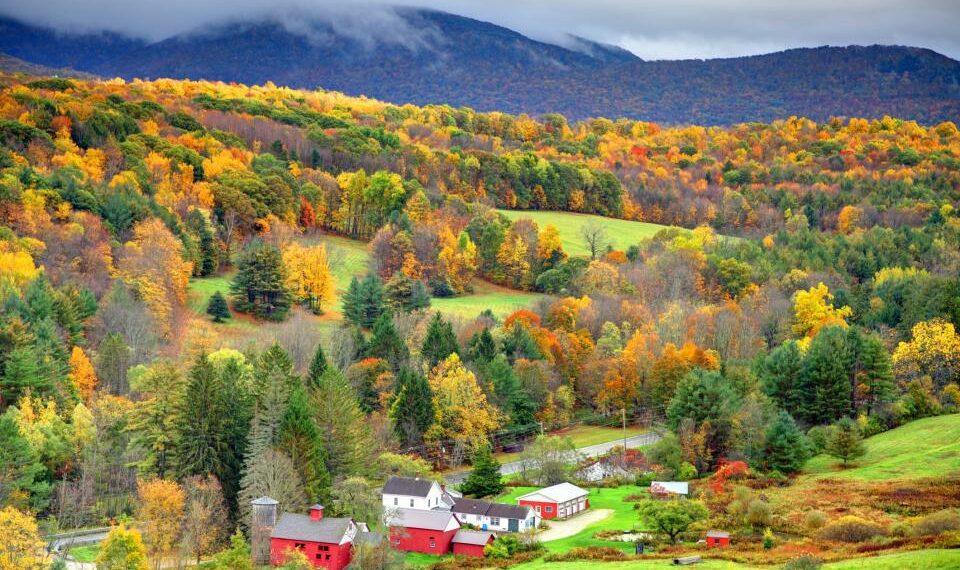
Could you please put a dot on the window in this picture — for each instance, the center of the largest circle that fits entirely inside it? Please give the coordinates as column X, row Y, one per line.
column 495, row 521
column 411, row 502
column 549, row 509
column 324, row 548
column 433, row 542
column 299, row 545
column 537, row 508
column 320, row 556
column 395, row 501
column 327, row 557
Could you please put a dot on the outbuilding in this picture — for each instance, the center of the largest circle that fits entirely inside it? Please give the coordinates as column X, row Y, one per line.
column 326, row 542
column 669, row 489
column 559, row 501
column 497, row 517
column 471, row 542
column 430, row 532
column 718, row 538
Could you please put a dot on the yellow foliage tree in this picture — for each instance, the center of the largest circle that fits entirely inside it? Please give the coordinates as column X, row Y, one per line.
column 812, row 311
column 549, row 244
column 309, row 276
column 82, row 375
column 849, row 219
column 933, row 350
column 458, row 260
column 463, row 414
column 160, row 510
column 122, row 550
column 20, row 546
column 513, row 256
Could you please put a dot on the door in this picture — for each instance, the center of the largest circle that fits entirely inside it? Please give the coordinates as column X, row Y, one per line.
column 513, row 525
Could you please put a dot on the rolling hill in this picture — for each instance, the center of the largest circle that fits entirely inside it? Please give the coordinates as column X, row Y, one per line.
column 449, row 59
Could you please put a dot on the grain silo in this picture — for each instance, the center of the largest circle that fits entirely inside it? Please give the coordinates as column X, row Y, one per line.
column 264, row 518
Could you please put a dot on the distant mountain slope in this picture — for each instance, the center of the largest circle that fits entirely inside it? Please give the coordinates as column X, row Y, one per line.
column 460, row 61
column 12, row 64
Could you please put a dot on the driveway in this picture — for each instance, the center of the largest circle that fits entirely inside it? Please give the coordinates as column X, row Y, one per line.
column 574, row 525
column 588, row 451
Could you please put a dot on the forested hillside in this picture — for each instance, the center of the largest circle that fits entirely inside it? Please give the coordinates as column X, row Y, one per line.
column 429, row 57
column 834, row 300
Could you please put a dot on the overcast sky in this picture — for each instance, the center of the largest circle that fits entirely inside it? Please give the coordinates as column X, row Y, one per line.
column 653, row 29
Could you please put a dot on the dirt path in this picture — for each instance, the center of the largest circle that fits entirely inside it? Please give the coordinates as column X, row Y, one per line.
column 572, row 526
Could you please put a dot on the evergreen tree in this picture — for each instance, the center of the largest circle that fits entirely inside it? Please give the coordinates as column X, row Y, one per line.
column 21, row 473
column 786, row 449
column 259, row 287
column 112, row 362
column 871, row 372
column 237, row 415
column 404, row 294
column 522, row 409
column 200, row 439
column 484, row 479
column 364, row 302
column 318, row 365
column 412, row 410
column 343, row 425
column 440, row 341
column 505, row 382
column 300, row 440
column 823, row 387
column 217, row 307
column 482, row 346
column 21, row 374
column 386, row 342
column 209, row 260
column 779, row 376
column 274, row 381
column 844, row 441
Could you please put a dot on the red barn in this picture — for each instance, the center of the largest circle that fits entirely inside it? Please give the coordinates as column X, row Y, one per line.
column 471, row 542
column 560, row 501
column 326, row 542
column 430, row 532
column 718, row 538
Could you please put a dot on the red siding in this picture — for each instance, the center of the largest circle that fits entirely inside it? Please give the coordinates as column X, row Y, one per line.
column 419, row 539
column 339, row 554
column 543, row 513
column 468, row 550
column 717, row 541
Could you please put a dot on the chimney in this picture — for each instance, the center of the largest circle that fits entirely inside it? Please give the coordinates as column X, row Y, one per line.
column 316, row 512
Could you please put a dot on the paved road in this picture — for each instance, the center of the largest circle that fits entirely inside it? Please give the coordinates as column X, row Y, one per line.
column 589, row 451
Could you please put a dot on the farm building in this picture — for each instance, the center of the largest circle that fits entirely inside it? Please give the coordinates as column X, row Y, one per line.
column 471, row 542
column 414, row 530
column 416, row 493
column 559, row 501
column 326, row 542
column 718, row 538
column 669, row 489
column 496, row 516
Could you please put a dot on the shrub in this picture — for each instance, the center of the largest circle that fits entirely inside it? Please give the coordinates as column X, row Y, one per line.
column 759, row 514
column 851, row 529
column 817, row 436
column 815, row 520
column 937, row 523
column 768, row 539
column 805, row 562
column 686, row 472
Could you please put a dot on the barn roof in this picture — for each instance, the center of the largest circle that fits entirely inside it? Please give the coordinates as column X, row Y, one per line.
column 292, row 526
column 474, row 537
column 718, row 534
column 560, row 493
column 499, row 510
column 408, row 486
column 416, row 518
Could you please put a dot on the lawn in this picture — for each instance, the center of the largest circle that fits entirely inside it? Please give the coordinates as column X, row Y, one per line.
column 621, row 233
column 929, row 447
column 586, row 435
column 85, row 553
column 501, row 300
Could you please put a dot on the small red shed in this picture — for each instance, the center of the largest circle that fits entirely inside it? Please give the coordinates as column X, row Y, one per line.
column 430, row 532
column 471, row 542
column 718, row 538
column 326, row 542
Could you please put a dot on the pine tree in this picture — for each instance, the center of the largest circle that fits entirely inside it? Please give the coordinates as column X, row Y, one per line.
column 786, row 449
column 21, row 374
column 844, row 441
column 237, row 415
column 871, row 373
column 260, row 286
column 209, row 252
column 200, row 439
column 364, row 301
column 484, row 479
column 274, row 381
column 113, row 361
column 412, row 410
column 404, row 294
column 20, row 469
column 217, row 307
column 779, row 376
column 387, row 344
column 823, row 386
column 300, row 440
column 318, row 365
column 343, row 425
column 482, row 346
column 440, row 341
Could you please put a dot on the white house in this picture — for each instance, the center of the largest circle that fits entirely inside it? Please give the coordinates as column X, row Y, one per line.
column 665, row 489
column 498, row 517
column 415, row 493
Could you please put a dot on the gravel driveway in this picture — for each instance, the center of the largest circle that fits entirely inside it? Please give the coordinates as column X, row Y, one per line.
column 569, row 527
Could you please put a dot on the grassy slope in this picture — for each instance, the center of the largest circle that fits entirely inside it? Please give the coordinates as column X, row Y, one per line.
column 501, row 300
column 85, row 553
column 918, row 560
column 621, row 233
column 929, row 447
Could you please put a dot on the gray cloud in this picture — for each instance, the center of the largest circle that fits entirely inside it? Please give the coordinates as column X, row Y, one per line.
column 653, row 29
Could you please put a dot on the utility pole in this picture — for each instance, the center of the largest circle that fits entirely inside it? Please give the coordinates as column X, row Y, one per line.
column 623, row 416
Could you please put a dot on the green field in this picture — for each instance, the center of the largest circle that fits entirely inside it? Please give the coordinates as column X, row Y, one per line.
column 501, row 300
column 620, row 233
column 929, row 447
column 85, row 553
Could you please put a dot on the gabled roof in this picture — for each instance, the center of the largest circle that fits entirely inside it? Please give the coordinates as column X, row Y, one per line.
column 408, row 486
column 673, row 487
column 560, row 493
column 718, row 534
column 474, row 537
column 292, row 526
column 502, row 511
column 471, row 507
column 416, row 518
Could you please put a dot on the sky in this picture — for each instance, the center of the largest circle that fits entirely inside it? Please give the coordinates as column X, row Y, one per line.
column 652, row 29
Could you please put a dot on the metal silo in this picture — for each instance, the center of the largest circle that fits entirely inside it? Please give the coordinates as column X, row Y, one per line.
column 264, row 518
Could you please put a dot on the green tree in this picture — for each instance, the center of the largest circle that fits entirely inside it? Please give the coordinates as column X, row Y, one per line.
column 153, row 424
column 318, row 365
column 343, row 425
column 404, row 294
column 122, row 550
column 237, row 557
column 672, row 517
column 786, row 449
column 274, row 381
column 823, row 387
column 237, row 414
column 112, row 362
column 21, row 374
column 300, row 439
column 21, row 482
column 779, row 376
column 844, row 441
column 387, row 343
column 871, row 372
column 484, row 479
column 364, row 302
column 440, row 341
column 482, row 347
column 259, row 287
column 217, row 307
column 199, row 427
column 412, row 409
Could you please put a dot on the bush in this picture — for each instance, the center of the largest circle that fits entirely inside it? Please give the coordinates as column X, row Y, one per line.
column 815, row 520
column 817, row 436
column 805, row 562
column 851, row 529
column 768, row 539
column 759, row 514
column 686, row 472
column 937, row 523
